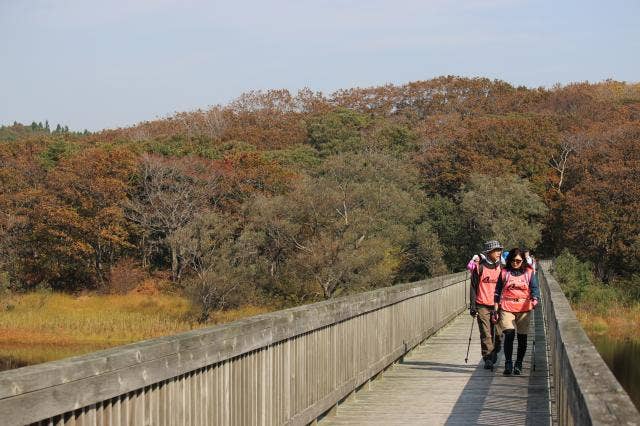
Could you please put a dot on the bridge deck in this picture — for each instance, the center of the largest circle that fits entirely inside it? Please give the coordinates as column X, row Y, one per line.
column 433, row 385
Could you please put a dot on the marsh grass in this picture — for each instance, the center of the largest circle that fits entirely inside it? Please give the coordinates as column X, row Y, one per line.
column 603, row 309
column 45, row 326
column 618, row 323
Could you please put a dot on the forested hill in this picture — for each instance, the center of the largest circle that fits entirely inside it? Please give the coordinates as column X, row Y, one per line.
column 297, row 197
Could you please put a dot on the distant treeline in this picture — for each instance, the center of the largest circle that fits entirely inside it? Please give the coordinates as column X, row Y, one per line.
column 18, row 130
column 295, row 197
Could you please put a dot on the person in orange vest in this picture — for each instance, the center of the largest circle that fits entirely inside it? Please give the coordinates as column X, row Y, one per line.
column 485, row 270
column 516, row 296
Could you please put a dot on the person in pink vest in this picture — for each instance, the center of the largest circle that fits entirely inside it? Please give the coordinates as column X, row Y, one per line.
column 516, row 296
column 485, row 270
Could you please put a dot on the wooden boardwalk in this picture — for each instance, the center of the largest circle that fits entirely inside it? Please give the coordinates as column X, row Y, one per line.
column 433, row 385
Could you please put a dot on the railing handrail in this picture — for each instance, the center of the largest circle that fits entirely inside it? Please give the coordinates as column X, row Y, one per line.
column 586, row 391
column 123, row 369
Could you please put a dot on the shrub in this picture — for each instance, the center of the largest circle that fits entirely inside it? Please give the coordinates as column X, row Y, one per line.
column 6, row 295
column 573, row 275
column 630, row 287
column 125, row 275
column 582, row 288
column 210, row 292
column 599, row 299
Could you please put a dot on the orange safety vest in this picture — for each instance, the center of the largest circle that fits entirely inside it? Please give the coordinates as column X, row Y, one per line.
column 516, row 294
column 487, row 279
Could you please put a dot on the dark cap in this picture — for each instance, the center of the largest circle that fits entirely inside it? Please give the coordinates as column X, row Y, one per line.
column 492, row 245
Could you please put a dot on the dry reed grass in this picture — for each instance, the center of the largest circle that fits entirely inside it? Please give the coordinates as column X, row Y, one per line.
column 40, row 327
column 619, row 323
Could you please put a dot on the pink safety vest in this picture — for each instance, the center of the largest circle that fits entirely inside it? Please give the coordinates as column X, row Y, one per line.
column 516, row 294
column 487, row 284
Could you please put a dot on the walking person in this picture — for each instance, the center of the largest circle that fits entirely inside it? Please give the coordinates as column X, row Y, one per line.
column 503, row 258
column 485, row 271
column 516, row 296
column 530, row 259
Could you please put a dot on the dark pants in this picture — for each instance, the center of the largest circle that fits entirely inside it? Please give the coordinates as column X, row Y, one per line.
column 509, row 336
column 489, row 342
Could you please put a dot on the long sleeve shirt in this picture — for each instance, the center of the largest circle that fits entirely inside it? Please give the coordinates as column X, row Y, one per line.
column 534, row 289
column 474, row 261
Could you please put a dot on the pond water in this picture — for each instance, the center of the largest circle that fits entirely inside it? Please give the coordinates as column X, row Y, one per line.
column 623, row 358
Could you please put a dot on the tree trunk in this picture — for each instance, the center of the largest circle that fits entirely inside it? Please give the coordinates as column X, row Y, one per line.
column 174, row 262
column 145, row 255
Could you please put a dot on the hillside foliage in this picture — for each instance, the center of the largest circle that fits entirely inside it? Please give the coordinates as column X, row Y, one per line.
column 298, row 197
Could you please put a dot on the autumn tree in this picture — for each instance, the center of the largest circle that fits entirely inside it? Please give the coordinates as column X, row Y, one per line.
column 77, row 218
column 601, row 219
column 20, row 172
column 246, row 174
column 337, row 131
column 219, row 263
column 169, row 194
column 504, row 208
column 522, row 145
column 303, row 196
column 272, row 119
column 354, row 225
column 457, row 236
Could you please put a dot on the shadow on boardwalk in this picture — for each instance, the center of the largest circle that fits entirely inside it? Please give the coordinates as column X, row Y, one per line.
column 433, row 386
column 494, row 399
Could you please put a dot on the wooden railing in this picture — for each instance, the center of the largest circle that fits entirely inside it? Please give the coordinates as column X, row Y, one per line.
column 286, row 367
column 585, row 390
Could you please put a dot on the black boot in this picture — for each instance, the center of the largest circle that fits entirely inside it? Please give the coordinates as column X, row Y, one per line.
column 522, row 345
column 517, row 369
column 509, row 336
column 522, row 349
column 488, row 364
column 508, row 367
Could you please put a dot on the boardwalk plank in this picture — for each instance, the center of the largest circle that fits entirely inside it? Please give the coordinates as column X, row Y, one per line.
column 433, row 385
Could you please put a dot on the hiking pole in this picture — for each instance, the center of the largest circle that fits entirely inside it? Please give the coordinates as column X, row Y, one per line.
column 533, row 352
column 473, row 318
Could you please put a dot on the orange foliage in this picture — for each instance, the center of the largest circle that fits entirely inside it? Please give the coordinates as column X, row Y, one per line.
column 77, row 220
column 64, row 197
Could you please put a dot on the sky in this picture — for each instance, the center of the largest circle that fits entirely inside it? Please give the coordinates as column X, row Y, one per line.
column 93, row 64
